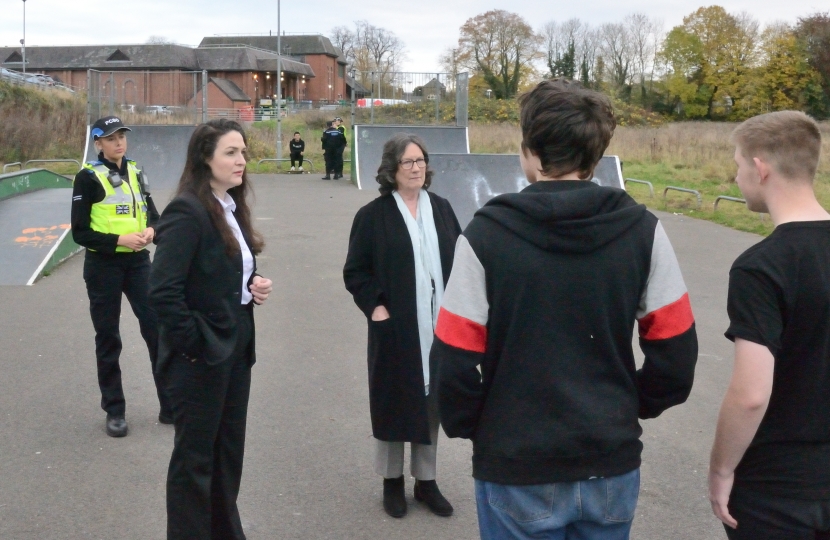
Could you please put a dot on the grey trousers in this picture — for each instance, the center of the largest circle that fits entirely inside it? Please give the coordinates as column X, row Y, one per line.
column 423, row 457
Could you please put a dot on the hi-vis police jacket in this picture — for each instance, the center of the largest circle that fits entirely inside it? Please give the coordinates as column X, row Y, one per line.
column 124, row 208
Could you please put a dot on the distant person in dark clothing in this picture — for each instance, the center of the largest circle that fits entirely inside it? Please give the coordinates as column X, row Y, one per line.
column 769, row 475
column 338, row 155
column 297, row 147
column 114, row 218
column 333, row 144
column 546, row 288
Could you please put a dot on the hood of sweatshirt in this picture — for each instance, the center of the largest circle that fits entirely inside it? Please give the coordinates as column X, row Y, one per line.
column 574, row 216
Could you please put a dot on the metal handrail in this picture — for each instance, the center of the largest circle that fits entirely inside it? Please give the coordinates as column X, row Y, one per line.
column 75, row 161
column 7, row 165
column 685, row 190
column 645, row 182
column 310, row 169
column 725, row 198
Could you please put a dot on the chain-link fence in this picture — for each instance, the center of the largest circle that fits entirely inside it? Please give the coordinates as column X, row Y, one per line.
column 410, row 98
column 147, row 97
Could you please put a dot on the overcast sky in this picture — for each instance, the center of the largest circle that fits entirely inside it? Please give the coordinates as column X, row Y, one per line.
column 427, row 27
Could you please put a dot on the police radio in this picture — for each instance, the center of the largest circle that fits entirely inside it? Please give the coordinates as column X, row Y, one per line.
column 143, row 183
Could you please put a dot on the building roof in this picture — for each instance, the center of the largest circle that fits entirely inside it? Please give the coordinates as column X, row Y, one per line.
column 291, row 45
column 356, row 86
column 245, row 58
column 134, row 57
column 230, row 89
column 108, row 57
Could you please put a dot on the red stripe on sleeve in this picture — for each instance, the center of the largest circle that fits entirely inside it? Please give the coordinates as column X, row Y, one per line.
column 668, row 321
column 461, row 333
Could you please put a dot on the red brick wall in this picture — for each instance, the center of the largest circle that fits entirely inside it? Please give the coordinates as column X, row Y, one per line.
column 326, row 72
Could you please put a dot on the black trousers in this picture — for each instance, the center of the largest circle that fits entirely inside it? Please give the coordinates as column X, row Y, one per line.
column 295, row 157
column 210, row 408
column 337, row 161
column 107, row 277
column 768, row 517
column 328, row 157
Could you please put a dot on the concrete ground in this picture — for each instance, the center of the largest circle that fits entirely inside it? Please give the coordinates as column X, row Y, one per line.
column 308, row 472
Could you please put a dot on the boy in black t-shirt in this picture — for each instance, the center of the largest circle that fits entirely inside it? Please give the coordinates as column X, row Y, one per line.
column 297, row 147
column 769, row 476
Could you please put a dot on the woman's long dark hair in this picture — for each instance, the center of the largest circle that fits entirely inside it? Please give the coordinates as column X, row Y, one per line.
column 196, row 180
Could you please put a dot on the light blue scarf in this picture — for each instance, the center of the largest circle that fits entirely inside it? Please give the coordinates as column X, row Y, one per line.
column 429, row 276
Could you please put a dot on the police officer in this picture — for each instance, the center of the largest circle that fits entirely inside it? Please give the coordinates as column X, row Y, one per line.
column 333, row 144
column 338, row 153
column 113, row 217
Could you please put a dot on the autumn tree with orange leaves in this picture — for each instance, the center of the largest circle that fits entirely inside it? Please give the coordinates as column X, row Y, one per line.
column 501, row 46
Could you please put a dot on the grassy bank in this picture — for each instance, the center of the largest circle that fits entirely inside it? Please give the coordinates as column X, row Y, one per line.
column 40, row 124
column 694, row 155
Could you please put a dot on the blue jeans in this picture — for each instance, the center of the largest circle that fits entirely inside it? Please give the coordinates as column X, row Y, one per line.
column 597, row 509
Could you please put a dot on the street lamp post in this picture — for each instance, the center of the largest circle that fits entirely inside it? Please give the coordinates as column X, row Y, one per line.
column 23, row 41
column 279, row 86
column 353, row 74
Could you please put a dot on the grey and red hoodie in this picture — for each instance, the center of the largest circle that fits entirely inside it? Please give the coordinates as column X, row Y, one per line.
column 533, row 351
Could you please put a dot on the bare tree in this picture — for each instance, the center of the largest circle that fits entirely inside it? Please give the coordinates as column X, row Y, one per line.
column 501, row 46
column 159, row 40
column 449, row 62
column 344, row 39
column 643, row 34
column 370, row 49
column 617, row 52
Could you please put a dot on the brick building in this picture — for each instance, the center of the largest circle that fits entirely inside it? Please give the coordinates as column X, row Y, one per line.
column 241, row 70
column 317, row 51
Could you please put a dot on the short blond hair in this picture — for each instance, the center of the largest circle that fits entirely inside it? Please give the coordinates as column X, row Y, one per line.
column 789, row 140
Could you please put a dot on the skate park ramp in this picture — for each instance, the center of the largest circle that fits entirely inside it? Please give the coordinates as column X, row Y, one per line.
column 468, row 181
column 35, row 207
column 369, row 141
column 160, row 151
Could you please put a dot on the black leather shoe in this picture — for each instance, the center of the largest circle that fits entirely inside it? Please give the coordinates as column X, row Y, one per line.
column 394, row 501
column 338, row 176
column 165, row 418
column 427, row 491
column 326, row 178
column 116, row 426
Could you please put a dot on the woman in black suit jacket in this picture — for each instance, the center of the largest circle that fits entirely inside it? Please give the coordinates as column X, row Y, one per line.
column 400, row 255
column 203, row 286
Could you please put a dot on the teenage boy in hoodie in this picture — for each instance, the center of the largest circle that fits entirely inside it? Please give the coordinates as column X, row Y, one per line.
column 546, row 288
column 769, row 476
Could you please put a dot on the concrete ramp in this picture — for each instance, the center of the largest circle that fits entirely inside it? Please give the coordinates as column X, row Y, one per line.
column 369, row 141
column 160, row 152
column 34, row 234
column 468, row 181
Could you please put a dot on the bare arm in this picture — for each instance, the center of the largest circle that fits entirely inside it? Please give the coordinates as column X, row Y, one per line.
column 743, row 408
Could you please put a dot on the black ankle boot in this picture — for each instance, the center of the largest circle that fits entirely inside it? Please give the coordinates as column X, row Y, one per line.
column 427, row 491
column 394, row 501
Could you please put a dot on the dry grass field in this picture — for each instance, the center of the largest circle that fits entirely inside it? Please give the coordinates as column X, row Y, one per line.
column 694, row 155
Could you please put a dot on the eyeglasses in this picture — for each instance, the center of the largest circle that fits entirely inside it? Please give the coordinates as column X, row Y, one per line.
column 407, row 163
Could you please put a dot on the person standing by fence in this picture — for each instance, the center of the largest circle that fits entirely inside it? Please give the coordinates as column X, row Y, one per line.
column 113, row 217
column 333, row 144
column 338, row 152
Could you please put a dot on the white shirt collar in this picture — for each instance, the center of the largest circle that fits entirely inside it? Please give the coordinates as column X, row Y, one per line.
column 227, row 203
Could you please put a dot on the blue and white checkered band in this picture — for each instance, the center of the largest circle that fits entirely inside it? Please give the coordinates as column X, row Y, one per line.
column 97, row 132
column 122, row 209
